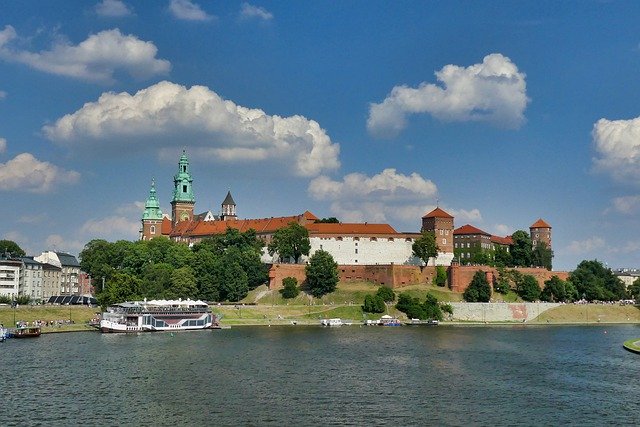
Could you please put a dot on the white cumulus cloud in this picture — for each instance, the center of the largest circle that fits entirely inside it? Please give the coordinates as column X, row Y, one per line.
column 188, row 11
column 379, row 198
column 25, row 172
column 586, row 246
column 111, row 226
column 96, row 59
column 59, row 243
column 248, row 11
column 617, row 146
column 113, row 8
column 493, row 91
column 626, row 204
column 217, row 129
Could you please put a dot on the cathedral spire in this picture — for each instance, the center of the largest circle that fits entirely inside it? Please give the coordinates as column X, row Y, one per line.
column 152, row 206
column 228, row 207
column 183, row 198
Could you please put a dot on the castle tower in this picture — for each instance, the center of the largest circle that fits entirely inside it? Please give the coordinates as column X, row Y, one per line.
column 440, row 224
column 183, row 199
column 540, row 232
column 152, row 216
column 228, row 208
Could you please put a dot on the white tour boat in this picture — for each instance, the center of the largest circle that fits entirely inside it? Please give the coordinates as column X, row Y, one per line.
column 158, row 315
column 332, row 322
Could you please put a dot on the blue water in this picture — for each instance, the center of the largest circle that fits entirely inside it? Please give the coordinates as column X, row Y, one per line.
column 445, row 375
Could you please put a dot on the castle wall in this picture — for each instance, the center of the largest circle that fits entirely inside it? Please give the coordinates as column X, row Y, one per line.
column 460, row 275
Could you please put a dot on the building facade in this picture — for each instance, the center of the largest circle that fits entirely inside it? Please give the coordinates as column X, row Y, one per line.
column 10, row 277
column 31, row 279
column 69, row 271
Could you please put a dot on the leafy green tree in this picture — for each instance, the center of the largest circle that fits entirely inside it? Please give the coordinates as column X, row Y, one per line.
column 521, row 249
column 330, row 220
column 120, row 288
column 440, row 278
column 593, row 281
column 290, row 242
column 558, row 290
column 290, row 288
column 322, row 273
column 373, row 304
column 183, row 284
column 429, row 309
column 232, row 281
column 11, row 247
column 502, row 257
column 481, row 257
column 479, row 289
column 156, row 280
column 425, row 247
column 95, row 260
column 204, row 265
column 634, row 290
column 528, row 288
column 542, row 256
column 386, row 293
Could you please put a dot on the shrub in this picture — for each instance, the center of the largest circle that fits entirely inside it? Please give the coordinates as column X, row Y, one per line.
column 290, row 288
column 373, row 304
column 386, row 294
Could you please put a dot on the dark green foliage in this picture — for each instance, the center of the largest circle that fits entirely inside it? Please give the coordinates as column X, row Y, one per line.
column 521, row 249
column 479, row 289
column 441, row 276
column 542, row 256
column 528, row 288
column 429, row 309
column 121, row 287
column 595, row 282
column 481, row 257
column 290, row 288
column 425, row 247
column 12, row 248
column 290, row 242
column 322, row 273
column 634, row 290
column 374, row 304
column 386, row 293
column 331, row 220
column 223, row 267
column 558, row 290
column 502, row 257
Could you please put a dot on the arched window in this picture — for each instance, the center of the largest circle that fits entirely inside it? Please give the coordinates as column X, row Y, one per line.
column 153, row 229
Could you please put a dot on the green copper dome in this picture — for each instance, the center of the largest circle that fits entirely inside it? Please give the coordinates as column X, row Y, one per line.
column 182, row 181
column 152, row 207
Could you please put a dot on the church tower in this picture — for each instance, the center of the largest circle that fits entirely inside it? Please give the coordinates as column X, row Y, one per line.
column 152, row 216
column 228, row 208
column 183, row 199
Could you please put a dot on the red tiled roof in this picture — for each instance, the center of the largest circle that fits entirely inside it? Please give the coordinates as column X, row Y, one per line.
column 209, row 228
column 469, row 229
column 350, row 228
column 540, row 223
column 166, row 226
column 506, row 241
column 309, row 216
column 437, row 213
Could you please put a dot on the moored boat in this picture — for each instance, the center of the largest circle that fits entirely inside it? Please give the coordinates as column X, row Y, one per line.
column 387, row 320
column 332, row 322
column 418, row 322
column 26, row 332
column 158, row 315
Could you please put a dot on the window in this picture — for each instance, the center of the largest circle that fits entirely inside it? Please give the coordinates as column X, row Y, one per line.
column 446, row 232
column 184, row 188
column 153, row 229
column 356, row 250
column 444, row 241
column 442, row 232
column 455, row 245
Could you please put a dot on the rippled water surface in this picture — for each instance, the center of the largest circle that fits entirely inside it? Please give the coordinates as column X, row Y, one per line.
column 351, row 375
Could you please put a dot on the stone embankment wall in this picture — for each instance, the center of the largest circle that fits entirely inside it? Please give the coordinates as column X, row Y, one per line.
column 397, row 276
column 499, row 311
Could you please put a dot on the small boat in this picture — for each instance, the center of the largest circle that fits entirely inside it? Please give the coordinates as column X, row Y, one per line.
column 26, row 332
column 418, row 322
column 332, row 322
column 387, row 320
column 4, row 333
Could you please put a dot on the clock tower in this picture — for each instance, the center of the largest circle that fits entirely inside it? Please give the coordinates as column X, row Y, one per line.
column 183, row 199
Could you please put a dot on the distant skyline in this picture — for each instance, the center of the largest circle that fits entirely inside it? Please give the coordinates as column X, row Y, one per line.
column 498, row 112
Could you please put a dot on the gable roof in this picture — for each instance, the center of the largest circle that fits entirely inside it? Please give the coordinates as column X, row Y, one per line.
column 350, row 228
column 67, row 260
column 469, row 229
column 540, row 223
column 505, row 241
column 228, row 200
column 437, row 213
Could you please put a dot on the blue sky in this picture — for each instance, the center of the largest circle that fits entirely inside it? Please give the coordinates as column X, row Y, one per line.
column 499, row 112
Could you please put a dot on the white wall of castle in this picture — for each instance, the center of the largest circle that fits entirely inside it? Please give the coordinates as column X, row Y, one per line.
column 350, row 250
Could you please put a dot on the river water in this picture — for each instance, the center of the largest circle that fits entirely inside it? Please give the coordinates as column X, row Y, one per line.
column 352, row 375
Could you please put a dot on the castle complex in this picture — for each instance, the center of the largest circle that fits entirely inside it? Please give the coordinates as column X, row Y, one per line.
column 363, row 244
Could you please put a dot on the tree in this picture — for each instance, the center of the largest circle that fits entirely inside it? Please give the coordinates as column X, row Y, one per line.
column 290, row 288
column 478, row 289
column 373, row 304
column 120, row 288
column 521, row 249
column 183, row 284
column 429, row 309
column 634, row 290
column 595, row 282
column 11, row 247
column 386, row 293
column 528, row 288
column 232, row 280
column 156, row 280
column 542, row 256
column 322, row 273
column 558, row 290
column 290, row 242
column 440, row 278
column 330, row 220
column 502, row 257
column 425, row 247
